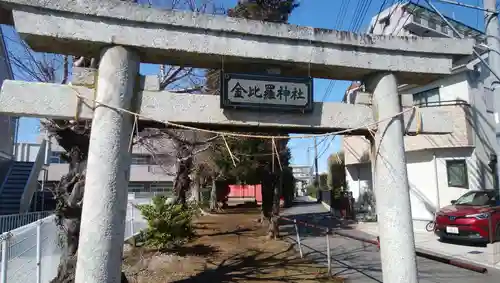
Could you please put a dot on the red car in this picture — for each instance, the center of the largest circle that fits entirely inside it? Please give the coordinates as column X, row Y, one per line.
column 470, row 217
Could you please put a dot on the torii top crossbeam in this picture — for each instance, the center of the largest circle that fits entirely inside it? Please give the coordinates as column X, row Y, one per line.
column 185, row 38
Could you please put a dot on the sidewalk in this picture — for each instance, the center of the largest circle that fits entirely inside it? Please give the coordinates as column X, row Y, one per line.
column 427, row 241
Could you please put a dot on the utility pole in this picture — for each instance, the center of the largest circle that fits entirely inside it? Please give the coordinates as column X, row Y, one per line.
column 493, row 41
column 310, row 165
column 316, row 177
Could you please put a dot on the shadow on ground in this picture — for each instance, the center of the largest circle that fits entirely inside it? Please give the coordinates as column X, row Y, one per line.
column 254, row 266
column 312, row 224
column 196, row 250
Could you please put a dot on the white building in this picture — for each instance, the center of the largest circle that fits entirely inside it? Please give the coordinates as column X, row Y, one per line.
column 303, row 175
column 441, row 167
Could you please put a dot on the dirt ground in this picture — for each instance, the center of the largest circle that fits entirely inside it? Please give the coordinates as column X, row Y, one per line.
column 231, row 247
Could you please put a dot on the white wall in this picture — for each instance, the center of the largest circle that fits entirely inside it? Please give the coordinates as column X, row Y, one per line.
column 395, row 27
column 422, row 181
column 26, row 151
column 446, row 193
column 428, row 190
column 454, row 87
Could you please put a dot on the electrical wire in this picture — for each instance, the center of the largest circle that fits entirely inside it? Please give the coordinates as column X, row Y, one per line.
column 378, row 15
column 462, row 37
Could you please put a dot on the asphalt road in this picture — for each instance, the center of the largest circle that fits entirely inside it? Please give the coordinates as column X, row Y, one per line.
column 360, row 262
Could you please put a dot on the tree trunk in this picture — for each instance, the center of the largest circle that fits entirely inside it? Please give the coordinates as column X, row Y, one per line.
column 69, row 202
column 182, row 180
column 267, row 203
column 273, row 227
column 213, row 196
column 195, row 190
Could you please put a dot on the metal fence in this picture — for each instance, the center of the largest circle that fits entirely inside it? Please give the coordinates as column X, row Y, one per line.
column 25, row 249
column 31, row 253
column 13, row 221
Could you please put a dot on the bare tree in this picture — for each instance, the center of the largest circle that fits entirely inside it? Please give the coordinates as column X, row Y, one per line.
column 179, row 147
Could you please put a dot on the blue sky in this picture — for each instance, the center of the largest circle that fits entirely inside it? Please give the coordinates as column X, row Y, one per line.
column 330, row 14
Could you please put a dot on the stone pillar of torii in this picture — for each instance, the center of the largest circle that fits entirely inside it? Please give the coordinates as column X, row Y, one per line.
column 124, row 35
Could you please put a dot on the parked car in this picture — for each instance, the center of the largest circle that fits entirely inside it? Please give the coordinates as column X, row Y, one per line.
column 470, row 218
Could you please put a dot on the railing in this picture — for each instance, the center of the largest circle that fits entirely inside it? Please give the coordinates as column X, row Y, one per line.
column 134, row 222
column 32, row 183
column 13, row 221
column 5, row 166
column 31, row 253
column 442, row 103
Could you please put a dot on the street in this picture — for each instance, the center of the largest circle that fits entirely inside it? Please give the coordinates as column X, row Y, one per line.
column 360, row 262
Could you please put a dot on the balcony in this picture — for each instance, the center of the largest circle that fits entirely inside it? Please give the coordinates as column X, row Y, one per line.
column 138, row 173
column 423, row 22
column 357, row 148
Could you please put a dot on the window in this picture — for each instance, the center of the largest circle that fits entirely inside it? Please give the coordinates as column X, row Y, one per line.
column 155, row 189
column 141, row 159
column 161, row 187
column 427, row 98
column 432, row 24
column 477, row 198
column 55, row 158
column 457, row 173
column 135, row 188
column 444, row 28
column 417, row 18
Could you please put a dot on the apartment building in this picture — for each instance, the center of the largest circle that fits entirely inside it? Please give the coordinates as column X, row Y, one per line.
column 150, row 173
column 440, row 167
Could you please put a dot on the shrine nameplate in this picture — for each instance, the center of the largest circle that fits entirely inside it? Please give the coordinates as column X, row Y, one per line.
column 266, row 92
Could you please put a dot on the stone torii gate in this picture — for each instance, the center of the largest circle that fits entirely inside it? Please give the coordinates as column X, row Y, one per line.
column 123, row 35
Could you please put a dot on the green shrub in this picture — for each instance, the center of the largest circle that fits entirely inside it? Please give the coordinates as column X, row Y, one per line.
column 311, row 190
column 168, row 224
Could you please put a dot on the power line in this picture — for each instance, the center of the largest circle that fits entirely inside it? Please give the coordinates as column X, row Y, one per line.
column 462, row 37
column 364, row 13
column 465, row 5
column 338, row 25
column 378, row 15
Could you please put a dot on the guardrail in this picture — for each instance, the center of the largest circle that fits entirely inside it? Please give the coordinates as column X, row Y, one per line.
column 13, row 221
column 32, row 183
column 31, row 253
